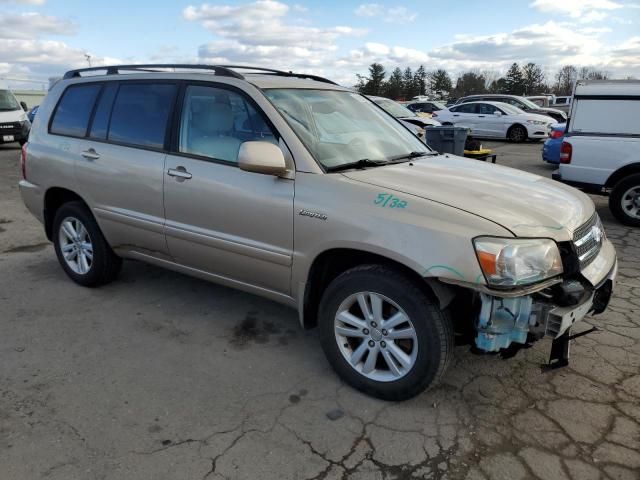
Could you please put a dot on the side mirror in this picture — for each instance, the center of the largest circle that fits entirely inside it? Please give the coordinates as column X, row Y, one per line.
column 261, row 157
column 497, row 113
column 24, row 106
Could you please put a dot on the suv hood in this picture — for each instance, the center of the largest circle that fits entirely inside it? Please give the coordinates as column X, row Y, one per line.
column 420, row 121
column 528, row 205
column 545, row 110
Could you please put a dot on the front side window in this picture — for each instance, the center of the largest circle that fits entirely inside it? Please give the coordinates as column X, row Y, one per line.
column 215, row 122
column 340, row 127
column 486, row 109
column 465, row 108
column 140, row 114
column 74, row 110
column 8, row 102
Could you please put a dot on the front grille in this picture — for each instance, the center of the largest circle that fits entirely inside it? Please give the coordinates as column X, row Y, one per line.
column 587, row 240
column 11, row 128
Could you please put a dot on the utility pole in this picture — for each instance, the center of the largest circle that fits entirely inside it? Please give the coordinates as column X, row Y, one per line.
column 88, row 57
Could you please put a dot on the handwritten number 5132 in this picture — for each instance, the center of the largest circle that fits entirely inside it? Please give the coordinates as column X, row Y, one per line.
column 388, row 200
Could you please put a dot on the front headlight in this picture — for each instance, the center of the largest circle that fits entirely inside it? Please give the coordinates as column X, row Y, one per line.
column 508, row 262
column 536, row 122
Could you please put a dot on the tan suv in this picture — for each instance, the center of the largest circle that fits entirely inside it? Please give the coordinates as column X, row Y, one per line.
column 294, row 188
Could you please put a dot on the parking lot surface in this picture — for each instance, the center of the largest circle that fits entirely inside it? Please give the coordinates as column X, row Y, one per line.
column 162, row 376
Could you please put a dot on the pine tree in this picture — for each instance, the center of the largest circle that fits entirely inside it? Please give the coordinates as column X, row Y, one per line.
column 394, row 86
column 420, row 81
column 408, row 87
column 440, row 81
column 514, row 81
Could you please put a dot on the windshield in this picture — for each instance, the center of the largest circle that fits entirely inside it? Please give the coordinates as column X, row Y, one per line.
column 340, row 127
column 528, row 103
column 438, row 106
column 510, row 109
column 393, row 108
column 8, row 102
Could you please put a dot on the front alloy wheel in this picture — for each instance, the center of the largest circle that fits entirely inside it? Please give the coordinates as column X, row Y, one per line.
column 376, row 336
column 383, row 333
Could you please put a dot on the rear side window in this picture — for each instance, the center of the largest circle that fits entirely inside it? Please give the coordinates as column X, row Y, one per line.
column 74, row 110
column 606, row 116
column 140, row 114
column 100, row 123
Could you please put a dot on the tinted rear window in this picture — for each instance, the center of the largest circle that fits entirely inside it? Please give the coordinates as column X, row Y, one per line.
column 74, row 110
column 100, row 122
column 140, row 114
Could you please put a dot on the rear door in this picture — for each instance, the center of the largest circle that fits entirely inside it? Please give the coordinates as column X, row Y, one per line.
column 121, row 163
column 234, row 224
column 464, row 115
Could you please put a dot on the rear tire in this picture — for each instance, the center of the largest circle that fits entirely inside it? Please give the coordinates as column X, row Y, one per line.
column 82, row 250
column 624, row 201
column 425, row 338
column 517, row 134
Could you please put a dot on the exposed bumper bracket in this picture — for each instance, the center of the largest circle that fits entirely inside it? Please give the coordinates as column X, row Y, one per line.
column 560, row 348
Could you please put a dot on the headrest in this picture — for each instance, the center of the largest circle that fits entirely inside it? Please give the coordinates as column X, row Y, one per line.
column 213, row 118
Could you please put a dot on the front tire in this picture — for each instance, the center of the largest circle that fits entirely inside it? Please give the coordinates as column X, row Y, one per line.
column 82, row 250
column 517, row 134
column 624, row 201
column 382, row 334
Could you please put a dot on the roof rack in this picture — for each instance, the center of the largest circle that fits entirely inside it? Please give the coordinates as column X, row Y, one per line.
column 221, row 70
column 152, row 67
column 281, row 73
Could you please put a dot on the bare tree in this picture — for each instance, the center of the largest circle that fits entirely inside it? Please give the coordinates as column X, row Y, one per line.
column 565, row 78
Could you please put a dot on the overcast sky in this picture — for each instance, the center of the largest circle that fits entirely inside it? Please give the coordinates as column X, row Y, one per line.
column 42, row 38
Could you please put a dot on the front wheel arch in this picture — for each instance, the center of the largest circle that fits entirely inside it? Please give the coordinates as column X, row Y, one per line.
column 329, row 264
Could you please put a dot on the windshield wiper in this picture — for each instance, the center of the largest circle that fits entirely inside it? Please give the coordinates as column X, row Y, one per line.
column 410, row 155
column 362, row 163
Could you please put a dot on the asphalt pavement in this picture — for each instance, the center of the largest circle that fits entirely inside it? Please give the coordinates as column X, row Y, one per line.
column 162, row 376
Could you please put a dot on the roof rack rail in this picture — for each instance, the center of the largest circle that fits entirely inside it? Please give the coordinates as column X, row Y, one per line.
column 152, row 67
column 280, row 73
column 222, row 70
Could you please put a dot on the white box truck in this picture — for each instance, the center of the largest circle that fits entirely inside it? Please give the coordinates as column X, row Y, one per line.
column 601, row 148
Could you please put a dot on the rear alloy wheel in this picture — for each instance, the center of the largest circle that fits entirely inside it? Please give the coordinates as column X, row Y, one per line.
column 75, row 245
column 82, row 250
column 624, row 201
column 382, row 334
column 517, row 134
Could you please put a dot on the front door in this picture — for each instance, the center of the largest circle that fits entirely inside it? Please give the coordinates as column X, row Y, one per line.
column 222, row 220
column 489, row 124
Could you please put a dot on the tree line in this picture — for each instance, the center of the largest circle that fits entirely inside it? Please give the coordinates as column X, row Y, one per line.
column 528, row 79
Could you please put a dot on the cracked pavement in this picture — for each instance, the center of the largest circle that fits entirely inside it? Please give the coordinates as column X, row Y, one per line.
column 161, row 376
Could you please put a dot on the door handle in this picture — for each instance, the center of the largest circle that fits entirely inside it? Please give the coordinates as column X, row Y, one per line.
column 90, row 154
column 180, row 173
column 456, row 115
column 480, row 116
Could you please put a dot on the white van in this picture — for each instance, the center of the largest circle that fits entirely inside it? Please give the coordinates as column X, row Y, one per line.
column 14, row 124
column 601, row 149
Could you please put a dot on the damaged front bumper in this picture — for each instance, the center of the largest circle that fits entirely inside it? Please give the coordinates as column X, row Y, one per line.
column 549, row 312
column 515, row 318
